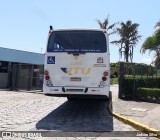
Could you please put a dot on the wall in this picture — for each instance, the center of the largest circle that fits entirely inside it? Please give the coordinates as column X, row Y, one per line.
column 3, row 80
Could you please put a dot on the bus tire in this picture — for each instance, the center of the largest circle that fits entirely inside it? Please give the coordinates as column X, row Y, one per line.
column 110, row 102
column 70, row 98
column 105, row 99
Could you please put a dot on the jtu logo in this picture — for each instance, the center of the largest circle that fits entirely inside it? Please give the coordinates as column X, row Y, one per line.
column 71, row 71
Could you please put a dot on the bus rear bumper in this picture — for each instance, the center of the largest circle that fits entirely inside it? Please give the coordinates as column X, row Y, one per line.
column 86, row 92
column 79, row 96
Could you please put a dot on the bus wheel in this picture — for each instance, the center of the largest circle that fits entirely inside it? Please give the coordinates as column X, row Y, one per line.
column 105, row 99
column 110, row 102
column 70, row 98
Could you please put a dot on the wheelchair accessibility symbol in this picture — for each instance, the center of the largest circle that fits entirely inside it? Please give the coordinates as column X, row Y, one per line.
column 51, row 60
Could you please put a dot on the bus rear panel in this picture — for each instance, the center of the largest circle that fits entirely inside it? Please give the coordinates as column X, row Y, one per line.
column 77, row 63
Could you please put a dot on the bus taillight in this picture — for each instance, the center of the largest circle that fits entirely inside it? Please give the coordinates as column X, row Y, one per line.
column 46, row 72
column 104, row 78
column 47, row 77
column 105, row 73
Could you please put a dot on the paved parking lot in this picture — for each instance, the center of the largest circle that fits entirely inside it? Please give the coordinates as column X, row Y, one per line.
column 21, row 111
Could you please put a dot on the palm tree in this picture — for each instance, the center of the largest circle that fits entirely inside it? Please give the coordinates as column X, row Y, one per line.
column 153, row 44
column 128, row 38
column 157, row 26
column 148, row 44
column 104, row 25
column 157, row 62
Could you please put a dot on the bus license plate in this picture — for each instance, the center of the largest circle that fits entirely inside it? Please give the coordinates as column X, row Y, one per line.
column 75, row 79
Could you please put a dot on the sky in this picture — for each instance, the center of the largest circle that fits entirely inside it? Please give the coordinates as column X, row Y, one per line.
column 24, row 24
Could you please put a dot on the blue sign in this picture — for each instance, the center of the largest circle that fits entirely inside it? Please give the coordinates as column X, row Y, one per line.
column 51, row 60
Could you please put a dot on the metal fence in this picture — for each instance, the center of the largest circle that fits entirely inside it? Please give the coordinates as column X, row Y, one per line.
column 133, row 76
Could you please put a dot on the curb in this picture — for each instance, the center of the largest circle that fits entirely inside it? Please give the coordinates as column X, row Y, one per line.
column 135, row 124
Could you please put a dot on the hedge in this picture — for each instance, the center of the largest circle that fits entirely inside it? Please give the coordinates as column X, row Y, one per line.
column 150, row 82
column 129, row 85
column 148, row 93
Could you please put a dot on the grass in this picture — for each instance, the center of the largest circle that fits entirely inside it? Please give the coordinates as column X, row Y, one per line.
column 114, row 81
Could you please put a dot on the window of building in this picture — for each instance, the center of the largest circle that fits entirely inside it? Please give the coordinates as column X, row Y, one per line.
column 3, row 67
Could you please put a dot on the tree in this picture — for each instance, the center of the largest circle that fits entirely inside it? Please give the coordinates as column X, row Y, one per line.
column 157, row 26
column 105, row 25
column 128, row 38
column 152, row 43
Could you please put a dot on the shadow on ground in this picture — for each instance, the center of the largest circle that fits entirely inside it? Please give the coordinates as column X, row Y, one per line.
column 78, row 115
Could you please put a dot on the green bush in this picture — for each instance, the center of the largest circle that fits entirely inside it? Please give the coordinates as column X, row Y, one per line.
column 148, row 93
column 114, row 81
column 141, row 81
column 130, row 85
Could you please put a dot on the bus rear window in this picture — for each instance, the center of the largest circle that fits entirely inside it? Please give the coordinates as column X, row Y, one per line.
column 77, row 41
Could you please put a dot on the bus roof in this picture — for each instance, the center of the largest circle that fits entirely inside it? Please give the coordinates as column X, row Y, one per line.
column 79, row 29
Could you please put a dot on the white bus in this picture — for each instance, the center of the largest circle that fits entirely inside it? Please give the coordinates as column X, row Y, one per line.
column 77, row 63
